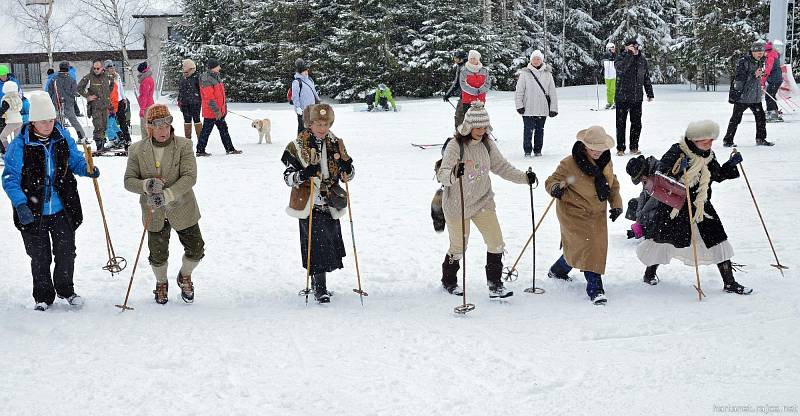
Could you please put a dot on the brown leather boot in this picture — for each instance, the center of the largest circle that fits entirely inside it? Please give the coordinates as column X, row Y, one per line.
column 187, row 130
column 161, row 293
column 198, row 127
column 187, row 288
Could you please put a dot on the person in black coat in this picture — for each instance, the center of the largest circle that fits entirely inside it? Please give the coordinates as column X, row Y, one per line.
column 632, row 77
column 670, row 237
column 459, row 59
column 746, row 94
column 189, row 100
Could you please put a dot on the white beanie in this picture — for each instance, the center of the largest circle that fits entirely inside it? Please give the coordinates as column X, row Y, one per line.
column 41, row 106
column 610, row 45
column 9, row 87
column 537, row 53
column 474, row 54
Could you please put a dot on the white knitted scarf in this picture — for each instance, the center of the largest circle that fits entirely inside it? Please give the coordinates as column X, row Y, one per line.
column 474, row 68
column 697, row 173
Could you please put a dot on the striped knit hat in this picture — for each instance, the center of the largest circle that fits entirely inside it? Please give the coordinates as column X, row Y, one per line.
column 476, row 117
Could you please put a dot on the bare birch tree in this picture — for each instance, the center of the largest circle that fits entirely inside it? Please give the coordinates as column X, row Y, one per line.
column 41, row 28
column 112, row 23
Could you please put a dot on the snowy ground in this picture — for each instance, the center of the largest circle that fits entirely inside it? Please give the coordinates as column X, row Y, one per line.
column 249, row 345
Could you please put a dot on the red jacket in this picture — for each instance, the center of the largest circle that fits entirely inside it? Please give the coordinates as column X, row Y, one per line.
column 212, row 92
column 474, row 84
column 146, row 88
column 772, row 59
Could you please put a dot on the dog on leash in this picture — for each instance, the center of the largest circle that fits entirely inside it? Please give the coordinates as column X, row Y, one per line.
column 263, row 126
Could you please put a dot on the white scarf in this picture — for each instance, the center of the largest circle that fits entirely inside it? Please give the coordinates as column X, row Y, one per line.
column 474, row 68
column 697, row 173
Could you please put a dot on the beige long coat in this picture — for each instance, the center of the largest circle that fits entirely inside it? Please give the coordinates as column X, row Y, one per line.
column 584, row 230
column 179, row 173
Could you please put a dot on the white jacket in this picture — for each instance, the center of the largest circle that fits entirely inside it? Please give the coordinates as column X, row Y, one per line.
column 13, row 115
column 530, row 96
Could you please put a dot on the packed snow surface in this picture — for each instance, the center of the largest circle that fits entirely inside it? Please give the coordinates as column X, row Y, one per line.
column 249, row 345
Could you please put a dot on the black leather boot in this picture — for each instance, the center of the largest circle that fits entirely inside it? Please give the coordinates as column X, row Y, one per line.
column 650, row 276
column 731, row 286
column 320, row 288
column 450, row 268
column 494, row 272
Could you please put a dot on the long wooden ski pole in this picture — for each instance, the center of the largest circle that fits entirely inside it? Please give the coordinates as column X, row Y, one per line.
column 115, row 264
column 777, row 264
column 697, row 287
column 511, row 271
column 147, row 221
column 308, row 243
column 359, row 290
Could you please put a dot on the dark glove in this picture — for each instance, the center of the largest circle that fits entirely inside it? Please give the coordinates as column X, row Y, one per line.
column 153, row 186
column 95, row 173
column 308, row 172
column 446, row 98
column 614, row 213
column 521, row 110
column 531, row 177
column 156, row 200
column 345, row 166
column 24, row 214
column 553, row 113
column 735, row 159
column 459, row 170
column 557, row 191
column 684, row 166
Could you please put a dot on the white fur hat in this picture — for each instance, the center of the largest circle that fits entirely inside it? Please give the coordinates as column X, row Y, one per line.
column 537, row 53
column 9, row 87
column 610, row 45
column 702, row 130
column 474, row 54
column 41, row 106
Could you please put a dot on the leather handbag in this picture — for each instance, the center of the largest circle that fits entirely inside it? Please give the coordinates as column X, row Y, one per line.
column 666, row 190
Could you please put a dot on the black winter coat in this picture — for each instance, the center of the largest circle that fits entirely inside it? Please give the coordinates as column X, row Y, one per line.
column 189, row 91
column 745, row 80
column 676, row 230
column 632, row 76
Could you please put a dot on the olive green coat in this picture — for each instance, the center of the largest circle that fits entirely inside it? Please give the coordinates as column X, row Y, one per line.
column 179, row 173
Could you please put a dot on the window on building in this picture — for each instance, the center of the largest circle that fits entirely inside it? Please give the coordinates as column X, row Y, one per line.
column 28, row 73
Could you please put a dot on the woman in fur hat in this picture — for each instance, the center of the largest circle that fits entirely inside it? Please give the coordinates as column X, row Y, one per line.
column 470, row 156
column 670, row 237
column 318, row 155
column 585, row 184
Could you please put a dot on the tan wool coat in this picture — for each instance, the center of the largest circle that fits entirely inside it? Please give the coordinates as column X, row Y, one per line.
column 583, row 217
column 179, row 173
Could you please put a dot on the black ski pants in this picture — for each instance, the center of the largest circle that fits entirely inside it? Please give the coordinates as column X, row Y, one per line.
column 736, row 118
column 635, row 109
column 772, row 91
column 208, row 126
column 124, row 122
column 42, row 251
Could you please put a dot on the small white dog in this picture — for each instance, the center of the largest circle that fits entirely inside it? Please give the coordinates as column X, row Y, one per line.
column 263, row 126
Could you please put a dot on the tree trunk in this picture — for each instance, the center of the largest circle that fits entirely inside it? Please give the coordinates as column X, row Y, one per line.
column 487, row 12
column 48, row 35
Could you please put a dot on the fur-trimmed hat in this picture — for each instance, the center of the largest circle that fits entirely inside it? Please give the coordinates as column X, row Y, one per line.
column 318, row 112
column 41, row 106
column 187, row 65
column 9, row 87
column 475, row 118
column 156, row 112
column 474, row 54
column 702, row 130
column 636, row 167
column 757, row 46
column 537, row 53
column 595, row 138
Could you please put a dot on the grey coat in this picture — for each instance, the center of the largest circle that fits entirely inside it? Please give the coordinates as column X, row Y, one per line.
column 67, row 89
column 530, row 96
column 746, row 80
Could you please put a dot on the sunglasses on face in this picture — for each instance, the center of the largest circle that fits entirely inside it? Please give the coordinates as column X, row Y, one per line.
column 97, row 68
column 161, row 122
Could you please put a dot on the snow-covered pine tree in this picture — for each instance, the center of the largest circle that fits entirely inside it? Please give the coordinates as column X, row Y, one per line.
column 644, row 20
column 715, row 35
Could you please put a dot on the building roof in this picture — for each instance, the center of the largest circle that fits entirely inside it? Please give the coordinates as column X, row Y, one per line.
column 161, row 8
